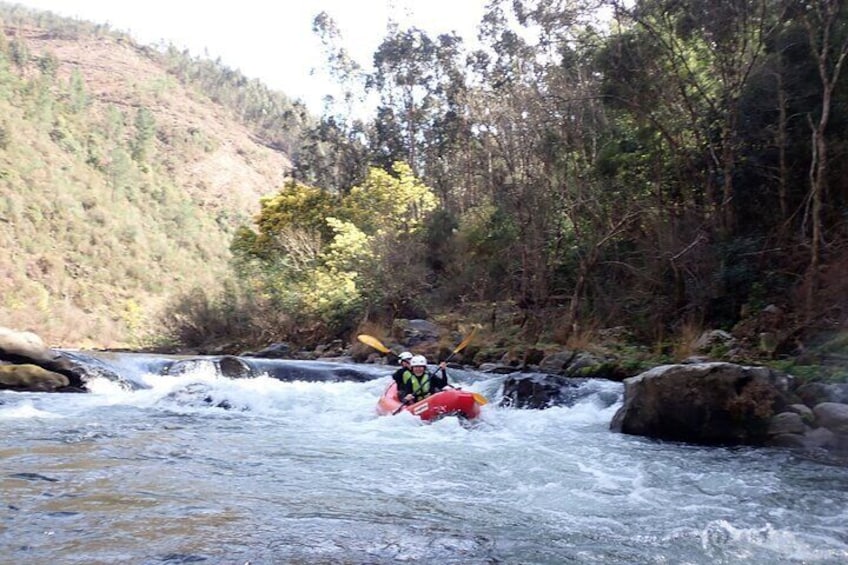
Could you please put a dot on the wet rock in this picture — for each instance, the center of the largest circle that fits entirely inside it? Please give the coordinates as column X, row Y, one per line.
column 273, row 351
column 31, row 378
column 234, row 368
column 542, row 391
column 228, row 366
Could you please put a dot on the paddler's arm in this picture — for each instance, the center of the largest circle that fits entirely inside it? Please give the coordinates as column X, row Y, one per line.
column 443, row 380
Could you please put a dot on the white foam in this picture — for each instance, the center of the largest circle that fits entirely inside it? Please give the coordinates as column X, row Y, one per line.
column 25, row 410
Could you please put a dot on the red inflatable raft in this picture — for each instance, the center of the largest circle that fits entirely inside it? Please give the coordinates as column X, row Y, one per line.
column 448, row 402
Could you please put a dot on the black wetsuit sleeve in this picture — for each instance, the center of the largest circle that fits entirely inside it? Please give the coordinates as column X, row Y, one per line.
column 439, row 380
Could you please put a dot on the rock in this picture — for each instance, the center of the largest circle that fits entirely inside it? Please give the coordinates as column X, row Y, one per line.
column 833, row 416
column 804, row 411
column 533, row 356
column 541, row 391
column 587, row 366
column 26, row 345
column 816, row 393
column 510, row 359
column 228, row 366
column 333, row 349
column 31, row 378
column 556, row 363
column 273, row 351
column 792, row 441
column 496, row 369
column 820, row 438
column 234, row 368
column 415, row 332
column 786, row 423
column 713, row 338
column 23, row 348
column 768, row 342
column 710, row 403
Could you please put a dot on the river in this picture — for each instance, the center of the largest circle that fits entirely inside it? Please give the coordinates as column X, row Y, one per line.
column 197, row 468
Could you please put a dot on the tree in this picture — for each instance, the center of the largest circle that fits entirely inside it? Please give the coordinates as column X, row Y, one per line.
column 412, row 75
column 828, row 39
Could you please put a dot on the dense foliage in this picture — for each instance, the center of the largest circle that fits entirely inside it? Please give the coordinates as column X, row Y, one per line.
column 671, row 164
column 657, row 164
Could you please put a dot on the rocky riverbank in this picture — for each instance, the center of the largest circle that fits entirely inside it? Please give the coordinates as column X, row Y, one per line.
column 701, row 402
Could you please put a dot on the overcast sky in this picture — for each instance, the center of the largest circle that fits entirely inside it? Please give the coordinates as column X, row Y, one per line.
column 268, row 40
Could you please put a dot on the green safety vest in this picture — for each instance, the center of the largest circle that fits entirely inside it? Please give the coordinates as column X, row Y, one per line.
column 420, row 388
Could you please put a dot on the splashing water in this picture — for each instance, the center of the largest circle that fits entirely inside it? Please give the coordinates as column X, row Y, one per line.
column 199, row 468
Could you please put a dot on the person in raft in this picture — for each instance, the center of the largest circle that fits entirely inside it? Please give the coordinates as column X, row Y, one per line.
column 417, row 383
column 403, row 359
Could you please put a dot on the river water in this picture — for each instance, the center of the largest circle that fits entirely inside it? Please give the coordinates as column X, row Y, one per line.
column 197, row 468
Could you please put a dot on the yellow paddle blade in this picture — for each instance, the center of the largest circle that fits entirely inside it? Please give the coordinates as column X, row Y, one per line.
column 479, row 398
column 373, row 342
column 464, row 343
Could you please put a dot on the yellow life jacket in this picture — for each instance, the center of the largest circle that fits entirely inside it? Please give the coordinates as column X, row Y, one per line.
column 420, row 387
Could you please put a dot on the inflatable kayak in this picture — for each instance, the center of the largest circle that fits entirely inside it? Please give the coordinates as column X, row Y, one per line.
column 448, row 402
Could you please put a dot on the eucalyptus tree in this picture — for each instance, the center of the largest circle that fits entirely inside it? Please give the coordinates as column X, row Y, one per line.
column 335, row 152
column 417, row 81
column 539, row 123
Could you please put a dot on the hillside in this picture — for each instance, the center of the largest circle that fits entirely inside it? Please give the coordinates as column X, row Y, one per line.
column 120, row 187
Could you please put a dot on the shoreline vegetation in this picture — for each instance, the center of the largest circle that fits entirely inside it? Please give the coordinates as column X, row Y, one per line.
column 205, row 213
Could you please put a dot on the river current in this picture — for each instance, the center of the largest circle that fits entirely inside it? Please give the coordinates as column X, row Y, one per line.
column 198, row 468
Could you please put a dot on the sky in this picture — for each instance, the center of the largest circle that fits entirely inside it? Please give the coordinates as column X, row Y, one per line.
column 271, row 40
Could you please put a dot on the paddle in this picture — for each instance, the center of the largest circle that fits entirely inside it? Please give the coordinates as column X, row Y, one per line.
column 373, row 342
column 399, row 408
column 478, row 398
column 462, row 344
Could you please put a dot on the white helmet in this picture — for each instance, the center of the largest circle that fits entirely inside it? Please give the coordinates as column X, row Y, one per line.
column 405, row 356
column 418, row 361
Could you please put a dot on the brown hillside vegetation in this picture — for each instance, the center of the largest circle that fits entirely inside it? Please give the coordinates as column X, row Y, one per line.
column 119, row 186
column 231, row 172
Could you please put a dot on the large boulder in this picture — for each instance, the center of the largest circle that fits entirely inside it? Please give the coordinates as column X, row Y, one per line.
column 22, row 348
column 25, row 345
column 706, row 403
column 30, row 378
column 415, row 332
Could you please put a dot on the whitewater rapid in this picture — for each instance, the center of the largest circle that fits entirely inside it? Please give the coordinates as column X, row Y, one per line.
column 200, row 468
